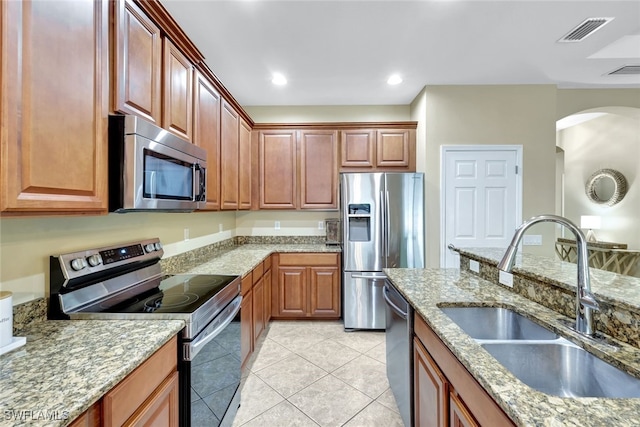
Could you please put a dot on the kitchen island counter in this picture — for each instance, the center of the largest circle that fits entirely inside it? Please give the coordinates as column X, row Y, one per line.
column 428, row 289
column 66, row 366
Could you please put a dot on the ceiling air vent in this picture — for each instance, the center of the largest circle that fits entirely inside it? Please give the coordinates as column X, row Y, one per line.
column 626, row 70
column 585, row 29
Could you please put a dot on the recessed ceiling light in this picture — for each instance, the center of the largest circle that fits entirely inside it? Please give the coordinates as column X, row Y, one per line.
column 279, row 79
column 394, row 79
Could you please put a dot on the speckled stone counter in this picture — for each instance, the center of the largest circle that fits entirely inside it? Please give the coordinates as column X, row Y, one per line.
column 236, row 260
column 66, row 366
column 427, row 289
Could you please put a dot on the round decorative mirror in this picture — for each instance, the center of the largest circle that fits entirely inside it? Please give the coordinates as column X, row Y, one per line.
column 606, row 187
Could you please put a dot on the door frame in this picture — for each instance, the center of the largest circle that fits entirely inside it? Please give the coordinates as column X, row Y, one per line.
column 444, row 150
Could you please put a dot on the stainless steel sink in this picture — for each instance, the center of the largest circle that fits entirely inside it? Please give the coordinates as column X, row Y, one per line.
column 560, row 368
column 494, row 323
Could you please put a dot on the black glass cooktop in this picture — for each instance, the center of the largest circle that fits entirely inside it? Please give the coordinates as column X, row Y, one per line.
column 182, row 293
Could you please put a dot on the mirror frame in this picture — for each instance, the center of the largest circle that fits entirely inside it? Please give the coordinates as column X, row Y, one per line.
column 619, row 182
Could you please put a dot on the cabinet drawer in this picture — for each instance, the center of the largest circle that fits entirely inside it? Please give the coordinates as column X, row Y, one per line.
column 257, row 273
column 125, row 398
column 246, row 284
column 309, row 259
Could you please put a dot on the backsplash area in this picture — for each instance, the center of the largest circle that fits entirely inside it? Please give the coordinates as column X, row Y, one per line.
column 618, row 316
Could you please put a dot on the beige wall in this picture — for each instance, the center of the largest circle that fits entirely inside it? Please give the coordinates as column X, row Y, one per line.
column 488, row 115
column 292, row 223
column 571, row 101
column 27, row 243
column 610, row 141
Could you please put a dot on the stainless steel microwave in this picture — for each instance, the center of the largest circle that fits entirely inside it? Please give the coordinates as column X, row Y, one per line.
column 151, row 169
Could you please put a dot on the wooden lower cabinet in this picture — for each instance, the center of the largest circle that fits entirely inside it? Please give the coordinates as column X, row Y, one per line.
column 308, row 286
column 246, row 327
column 445, row 393
column 430, row 389
column 258, row 309
column 146, row 397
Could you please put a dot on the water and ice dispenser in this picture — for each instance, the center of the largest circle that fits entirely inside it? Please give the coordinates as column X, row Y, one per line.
column 359, row 217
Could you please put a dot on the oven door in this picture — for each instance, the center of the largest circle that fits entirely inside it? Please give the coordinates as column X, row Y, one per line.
column 210, row 372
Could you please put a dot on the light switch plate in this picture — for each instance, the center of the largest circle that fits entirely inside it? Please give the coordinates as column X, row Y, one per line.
column 532, row 240
column 277, row 225
column 474, row 266
column 505, row 278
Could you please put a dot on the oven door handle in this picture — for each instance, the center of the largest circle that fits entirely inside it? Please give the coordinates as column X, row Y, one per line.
column 193, row 348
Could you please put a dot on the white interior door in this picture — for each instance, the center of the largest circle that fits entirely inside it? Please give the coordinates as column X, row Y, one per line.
column 481, row 190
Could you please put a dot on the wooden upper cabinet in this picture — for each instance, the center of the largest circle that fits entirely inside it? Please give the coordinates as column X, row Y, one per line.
column 278, row 186
column 358, row 148
column 54, row 107
column 318, row 169
column 381, row 149
column 206, row 134
column 229, row 156
column 392, row 148
column 137, row 63
column 244, row 165
column 178, row 89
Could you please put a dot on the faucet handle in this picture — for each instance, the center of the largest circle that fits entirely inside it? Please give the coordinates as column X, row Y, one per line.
column 588, row 300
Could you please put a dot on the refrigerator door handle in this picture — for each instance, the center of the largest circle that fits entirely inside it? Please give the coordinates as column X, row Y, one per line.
column 386, row 225
column 383, row 226
column 372, row 278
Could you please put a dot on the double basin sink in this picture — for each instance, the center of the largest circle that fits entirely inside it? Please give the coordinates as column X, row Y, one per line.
column 539, row 357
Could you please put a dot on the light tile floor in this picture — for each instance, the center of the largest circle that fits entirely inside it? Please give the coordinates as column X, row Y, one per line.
column 312, row 373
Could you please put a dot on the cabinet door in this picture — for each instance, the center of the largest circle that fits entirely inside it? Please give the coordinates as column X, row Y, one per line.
column 246, row 327
column 324, row 283
column 258, row 310
column 229, row 149
column 177, row 91
column 161, row 409
column 206, row 134
column 318, row 169
column 92, row 417
column 392, row 148
column 292, row 291
column 138, row 63
column 459, row 415
column 431, row 394
column 268, row 294
column 358, row 149
column 54, row 106
column 277, row 170
column 244, row 166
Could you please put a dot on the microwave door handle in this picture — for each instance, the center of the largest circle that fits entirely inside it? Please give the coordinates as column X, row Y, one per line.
column 199, row 181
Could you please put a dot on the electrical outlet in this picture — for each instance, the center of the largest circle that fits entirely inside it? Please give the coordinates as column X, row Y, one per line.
column 220, row 229
column 277, row 225
column 320, row 225
column 505, row 278
column 532, row 240
column 474, row 266
column 186, row 234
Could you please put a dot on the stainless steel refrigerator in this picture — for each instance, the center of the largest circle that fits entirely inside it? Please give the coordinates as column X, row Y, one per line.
column 383, row 227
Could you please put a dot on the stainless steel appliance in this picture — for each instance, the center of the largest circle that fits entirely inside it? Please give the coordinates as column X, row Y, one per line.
column 399, row 326
column 151, row 169
column 126, row 282
column 383, row 227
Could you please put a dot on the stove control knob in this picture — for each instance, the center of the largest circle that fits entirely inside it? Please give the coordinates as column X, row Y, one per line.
column 158, row 246
column 94, row 260
column 149, row 247
column 78, row 264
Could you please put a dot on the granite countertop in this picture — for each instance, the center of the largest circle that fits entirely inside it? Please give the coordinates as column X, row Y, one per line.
column 66, row 366
column 240, row 260
column 617, row 289
column 427, row 289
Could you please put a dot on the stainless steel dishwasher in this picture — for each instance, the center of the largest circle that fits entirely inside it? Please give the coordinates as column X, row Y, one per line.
column 399, row 322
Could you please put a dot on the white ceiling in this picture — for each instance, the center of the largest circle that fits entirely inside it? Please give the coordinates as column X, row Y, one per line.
column 342, row 52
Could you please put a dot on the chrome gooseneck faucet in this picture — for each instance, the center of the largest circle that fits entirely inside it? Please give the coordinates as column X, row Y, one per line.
column 585, row 301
